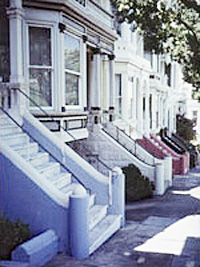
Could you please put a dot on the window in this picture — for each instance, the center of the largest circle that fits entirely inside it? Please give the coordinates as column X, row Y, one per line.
column 40, row 65
column 72, row 70
column 168, row 73
column 118, row 82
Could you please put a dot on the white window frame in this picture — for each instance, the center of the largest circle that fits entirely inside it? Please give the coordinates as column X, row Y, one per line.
column 52, row 67
column 79, row 74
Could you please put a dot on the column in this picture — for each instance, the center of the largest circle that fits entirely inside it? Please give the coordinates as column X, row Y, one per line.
column 95, row 81
column 154, row 109
column 112, row 80
column 147, row 115
column 161, row 112
column 105, row 84
column 15, row 14
column 139, row 109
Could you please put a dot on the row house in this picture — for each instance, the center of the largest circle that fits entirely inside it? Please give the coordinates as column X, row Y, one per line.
column 148, row 86
column 148, row 96
column 57, row 70
column 75, row 97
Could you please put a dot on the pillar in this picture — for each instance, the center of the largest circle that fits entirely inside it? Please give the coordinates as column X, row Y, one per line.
column 15, row 13
column 139, row 109
column 79, row 225
column 147, row 113
column 160, row 186
column 118, row 194
column 112, row 80
column 95, row 80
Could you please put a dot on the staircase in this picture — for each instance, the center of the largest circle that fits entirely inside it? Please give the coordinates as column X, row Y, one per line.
column 101, row 224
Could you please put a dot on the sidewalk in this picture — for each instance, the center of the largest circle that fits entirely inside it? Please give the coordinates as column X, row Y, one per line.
column 163, row 231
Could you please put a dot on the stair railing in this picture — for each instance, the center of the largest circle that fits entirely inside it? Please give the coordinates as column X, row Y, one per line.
column 122, row 135
column 43, row 111
column 43, row 148
column 129, row 126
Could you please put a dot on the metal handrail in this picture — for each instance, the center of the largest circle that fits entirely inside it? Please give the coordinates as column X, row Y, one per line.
column 130, row 151
column 49, row 116
column 129, row 136
column 121, row 118
column 99, row 160
column 44, row 111
column 24, row 130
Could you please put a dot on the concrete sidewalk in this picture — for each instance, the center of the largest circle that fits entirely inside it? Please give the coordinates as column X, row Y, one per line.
column 162, row 231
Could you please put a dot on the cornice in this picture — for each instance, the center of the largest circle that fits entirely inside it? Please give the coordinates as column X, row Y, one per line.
column 81, row 16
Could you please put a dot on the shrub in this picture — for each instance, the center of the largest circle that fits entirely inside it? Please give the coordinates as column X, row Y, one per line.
column 12, row 234
column 137, row 186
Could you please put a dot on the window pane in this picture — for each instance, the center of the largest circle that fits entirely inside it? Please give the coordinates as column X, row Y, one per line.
column 40, row 87
column 72, row 53
column 40, row 46
column 71, row 85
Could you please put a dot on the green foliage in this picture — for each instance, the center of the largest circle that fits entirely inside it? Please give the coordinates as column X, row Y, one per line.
column 173, row 28
column 11, row 235
column 184, row 128
column 137, row 186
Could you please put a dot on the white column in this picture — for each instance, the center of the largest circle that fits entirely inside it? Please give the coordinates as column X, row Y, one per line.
column 139, row 109
column 171, row 118
column 95, row 81
column 167, row 114
column 112, row 80
column 161, row 112
column 147, row 113
column 105, row 95
column 134, row 102
column 15, row 13
column 125, row 95
column 154, row 109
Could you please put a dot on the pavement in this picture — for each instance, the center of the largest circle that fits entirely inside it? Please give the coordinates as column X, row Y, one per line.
column 162, row 231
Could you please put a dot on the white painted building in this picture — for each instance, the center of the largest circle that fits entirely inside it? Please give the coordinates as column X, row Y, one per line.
column 61, row 56
column 148, row 86
column 192, row 111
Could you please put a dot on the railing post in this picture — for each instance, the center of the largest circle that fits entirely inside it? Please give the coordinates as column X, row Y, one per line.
column 79, row 224
column 118, row 194
column 160, row 188
column 168, row 170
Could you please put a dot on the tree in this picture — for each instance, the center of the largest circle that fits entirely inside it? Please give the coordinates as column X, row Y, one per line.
column 185, row 127
column 168, row 26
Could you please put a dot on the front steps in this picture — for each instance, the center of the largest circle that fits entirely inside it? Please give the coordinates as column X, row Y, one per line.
column 101, row 224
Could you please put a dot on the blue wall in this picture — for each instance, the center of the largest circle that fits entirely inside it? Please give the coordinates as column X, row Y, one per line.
column 22, row 199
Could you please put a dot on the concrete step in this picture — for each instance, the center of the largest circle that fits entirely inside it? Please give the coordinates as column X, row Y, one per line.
column 27, row 149
column 5, row 120
column 16, row 139
column 62, row 180
column 96, row 214
column 38, row 158
column 103, row 231
column 49, row 169
column 92, row 200
column 68, row 189
column 9, row 129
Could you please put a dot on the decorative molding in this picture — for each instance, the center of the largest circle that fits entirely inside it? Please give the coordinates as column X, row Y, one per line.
column 111, row 57
column 85, row 38
column 62, row 27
